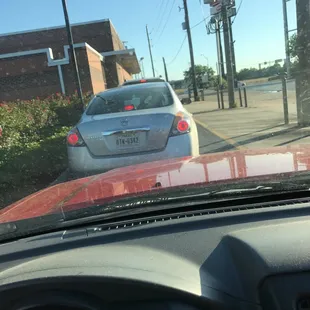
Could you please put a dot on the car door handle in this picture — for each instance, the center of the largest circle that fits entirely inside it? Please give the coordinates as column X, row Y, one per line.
column 115, row 132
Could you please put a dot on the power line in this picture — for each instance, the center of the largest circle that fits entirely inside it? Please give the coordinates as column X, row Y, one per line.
column 177, row 54
column 160, row 8
column 239, row 7
column 165, row 25
column 202, row 11
column 161, row 18
column 200, row 22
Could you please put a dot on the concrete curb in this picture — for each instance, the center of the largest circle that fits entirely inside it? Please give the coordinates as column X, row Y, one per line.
column 221, row 136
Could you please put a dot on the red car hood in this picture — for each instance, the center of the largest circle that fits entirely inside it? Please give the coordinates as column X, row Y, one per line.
column 205, row 169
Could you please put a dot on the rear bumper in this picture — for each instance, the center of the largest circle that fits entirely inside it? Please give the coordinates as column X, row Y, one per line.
column 81, row 161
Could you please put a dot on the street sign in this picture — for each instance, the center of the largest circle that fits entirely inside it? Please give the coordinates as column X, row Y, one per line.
column 219, row 17
column 215, row 9
column 205, row 79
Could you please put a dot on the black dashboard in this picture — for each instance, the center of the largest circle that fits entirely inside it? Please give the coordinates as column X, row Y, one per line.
column 238, row 259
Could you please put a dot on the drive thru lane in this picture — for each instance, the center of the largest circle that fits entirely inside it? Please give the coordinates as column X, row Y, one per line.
column 211, row 143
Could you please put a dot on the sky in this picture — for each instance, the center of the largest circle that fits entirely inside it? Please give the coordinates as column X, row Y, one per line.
column 258, row 28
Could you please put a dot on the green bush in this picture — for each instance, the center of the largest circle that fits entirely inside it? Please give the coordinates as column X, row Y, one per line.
column 32, row 140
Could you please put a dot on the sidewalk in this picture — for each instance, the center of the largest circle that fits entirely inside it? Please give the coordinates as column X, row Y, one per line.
column 261, row 125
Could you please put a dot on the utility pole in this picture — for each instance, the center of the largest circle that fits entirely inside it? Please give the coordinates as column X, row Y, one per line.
column 228, row 54
column 217, row 33
column 286, row 38
column 220, row 47
column 150, row 49
column 219, row 50
column 72, row 52
column 303, row 77
column 166, row 72
column 190, row 44
column 232, row 49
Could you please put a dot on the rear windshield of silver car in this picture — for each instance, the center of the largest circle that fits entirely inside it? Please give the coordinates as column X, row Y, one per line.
column 131, row 98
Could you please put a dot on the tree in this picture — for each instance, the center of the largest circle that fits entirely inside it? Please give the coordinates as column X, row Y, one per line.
column 293, row 46
column 253, row 73
column 200, row 72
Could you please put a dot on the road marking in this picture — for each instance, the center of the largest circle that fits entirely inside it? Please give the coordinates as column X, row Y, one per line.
column 220, row 135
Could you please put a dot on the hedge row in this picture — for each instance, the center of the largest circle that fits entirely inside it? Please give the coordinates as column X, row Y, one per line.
column 32, row 141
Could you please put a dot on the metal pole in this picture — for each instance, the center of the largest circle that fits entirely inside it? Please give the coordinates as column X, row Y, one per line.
column 72, row 52
column 191, row 52
column 222, row 97
column 142, row 66
column 240, row 96
column 218, row 96
column 245, row 98
column 286, row 38
column 229, row 67
column 285, row 102
column 202, row 95
column 150, row 49
column 166, row 72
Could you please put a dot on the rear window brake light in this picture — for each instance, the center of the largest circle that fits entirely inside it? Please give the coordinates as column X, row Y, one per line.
column 129, row 107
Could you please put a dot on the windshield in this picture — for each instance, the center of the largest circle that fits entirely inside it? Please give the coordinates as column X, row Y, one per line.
column 102, row 101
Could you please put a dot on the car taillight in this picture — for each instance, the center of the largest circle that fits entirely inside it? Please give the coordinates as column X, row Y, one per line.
column 129, row 107
column 143, row 81
column 74, row 138
column 180, row 125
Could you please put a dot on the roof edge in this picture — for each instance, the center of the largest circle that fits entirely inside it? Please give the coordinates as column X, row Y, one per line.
column 54, row 27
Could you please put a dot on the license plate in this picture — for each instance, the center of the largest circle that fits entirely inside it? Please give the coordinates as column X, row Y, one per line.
column 127, row 140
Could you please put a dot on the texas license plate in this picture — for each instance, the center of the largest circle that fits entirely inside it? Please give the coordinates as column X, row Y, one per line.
column 127, row 140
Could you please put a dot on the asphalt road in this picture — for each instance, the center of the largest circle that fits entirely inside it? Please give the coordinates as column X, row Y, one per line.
column 211, row 143
column 272, row 86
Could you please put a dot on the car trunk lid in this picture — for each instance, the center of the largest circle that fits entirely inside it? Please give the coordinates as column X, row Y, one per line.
column 127, row 133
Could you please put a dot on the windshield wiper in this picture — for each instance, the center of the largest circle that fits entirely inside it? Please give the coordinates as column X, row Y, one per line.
column 182, row 197
column 241, row 191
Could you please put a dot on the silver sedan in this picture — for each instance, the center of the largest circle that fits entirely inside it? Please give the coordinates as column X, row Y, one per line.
column 131, row 125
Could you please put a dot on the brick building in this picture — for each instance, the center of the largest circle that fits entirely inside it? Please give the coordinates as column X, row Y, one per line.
column 37, row 62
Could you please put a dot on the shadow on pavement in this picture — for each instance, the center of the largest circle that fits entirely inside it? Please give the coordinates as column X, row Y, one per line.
column 203, row 112
column 230, row 146
column 257, row 131
column 293, row 140
column 267, row 136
